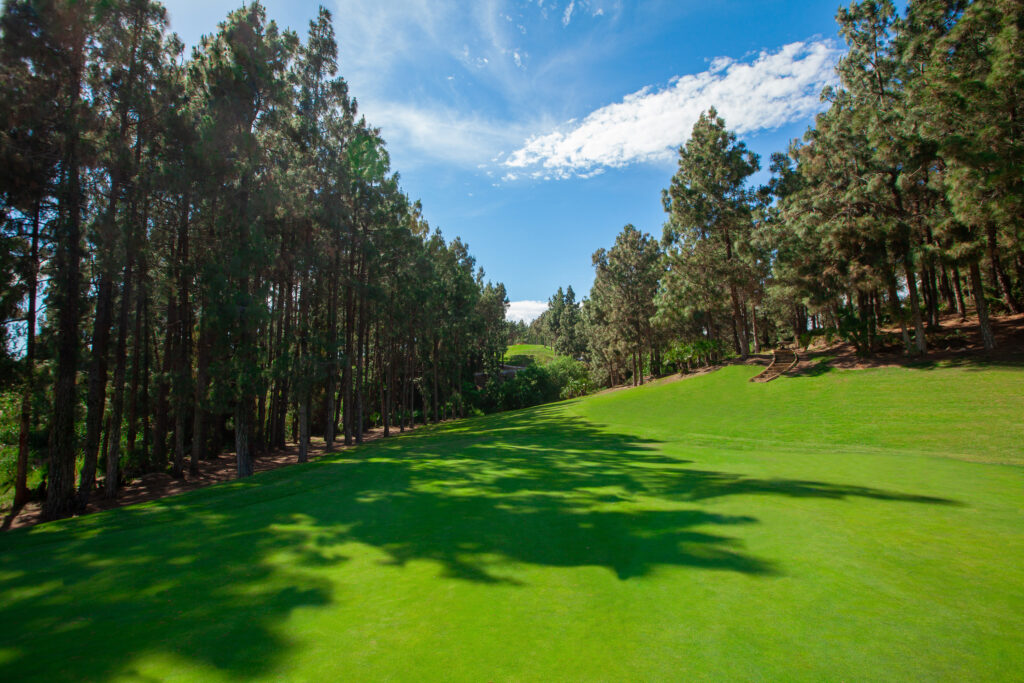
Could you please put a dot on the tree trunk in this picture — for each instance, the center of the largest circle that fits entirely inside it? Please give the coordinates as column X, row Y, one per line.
column 162, row 392
column 946, row 288
column 183, row 397
column 200, row 416
column 242, row 456
column 931, row 279
column 961, row 307
column 117, row 405
column 739, row 327
column 303, row 388
column 303, row 409
column 332, row 357
column 1001, row 278
column 148, row 344
column 21, row 494
column 988, row 340
column 897, row 312
column 437, row 344
column 915, row 308
column 346, row 374
column 753, row 318
column 360, row 418
column 139, row 346
column 60, row 490
column 96, row 401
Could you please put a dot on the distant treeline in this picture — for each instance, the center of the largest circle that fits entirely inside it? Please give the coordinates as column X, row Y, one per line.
column 209, row 252
column 903, row 202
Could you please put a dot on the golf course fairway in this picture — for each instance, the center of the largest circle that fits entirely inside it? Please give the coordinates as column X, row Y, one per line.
column 841, row 525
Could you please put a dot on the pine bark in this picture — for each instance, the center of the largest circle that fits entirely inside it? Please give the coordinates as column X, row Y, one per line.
column 987, row 338
column 117, row 404
column 961, row 306
column 1001, row 278
column 332, row 358
column 897, row 312
column 21, row 493
column 95, row 404
column 921, row 342
column 243, row 458
column 60, row 491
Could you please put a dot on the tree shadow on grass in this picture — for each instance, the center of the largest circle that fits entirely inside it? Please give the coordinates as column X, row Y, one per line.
column 212, row 575
column 941, row 361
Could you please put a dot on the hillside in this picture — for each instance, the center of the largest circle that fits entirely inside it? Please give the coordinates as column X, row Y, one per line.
column 842, row 524
column 538, row 353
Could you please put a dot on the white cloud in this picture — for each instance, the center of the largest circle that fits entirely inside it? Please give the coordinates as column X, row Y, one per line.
column 442, row 133
column 774, row 89
column 567, row 17
column 526, row 310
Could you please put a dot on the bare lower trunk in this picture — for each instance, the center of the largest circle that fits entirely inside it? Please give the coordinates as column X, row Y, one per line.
column 897, row 312
column 21, row 494
column 946, row 288
column 988, row 340
column 361, row 363
column 199, row 412
column 332, row 357
column 161, row 416
column 961, row 306
column 1001, row 278
column 934, row 297
column 179, row 443
column 742, row 344
column 117, row 405
column 303, row 407
column 437, row 344
column 138, row 350
column 96, row 400
column 753, row 319
column 243, row 457
column 915, row 307
column 60, row 490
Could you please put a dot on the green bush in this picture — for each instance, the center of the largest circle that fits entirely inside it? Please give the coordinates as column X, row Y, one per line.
column 684, row 355
column 570, row 377
column 10, row 409
column 531, row 386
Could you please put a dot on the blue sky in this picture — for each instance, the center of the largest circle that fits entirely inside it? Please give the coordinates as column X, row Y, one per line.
column 535, row 129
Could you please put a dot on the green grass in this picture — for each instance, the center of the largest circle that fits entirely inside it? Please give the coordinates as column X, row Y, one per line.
column 540, row 354
column 838, row 526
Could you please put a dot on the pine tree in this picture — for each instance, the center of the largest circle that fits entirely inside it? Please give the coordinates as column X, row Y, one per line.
column 710, row 210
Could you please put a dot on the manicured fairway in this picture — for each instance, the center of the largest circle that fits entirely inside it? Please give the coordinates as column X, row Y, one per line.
column 840, row 526
column 540, row 353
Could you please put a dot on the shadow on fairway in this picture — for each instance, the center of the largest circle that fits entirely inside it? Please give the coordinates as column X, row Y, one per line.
column 212, row 575
column 822, row 366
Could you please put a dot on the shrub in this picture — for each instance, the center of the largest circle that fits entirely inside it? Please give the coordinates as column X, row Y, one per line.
column 531, row 386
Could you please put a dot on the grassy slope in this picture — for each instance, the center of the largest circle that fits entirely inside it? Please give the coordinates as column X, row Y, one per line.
column 540, row 353
column 667, row 532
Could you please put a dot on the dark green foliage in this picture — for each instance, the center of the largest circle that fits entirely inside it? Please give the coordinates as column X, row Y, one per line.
column 570, row 376
column 900, row 205
column 531, row 386
column 228, row 249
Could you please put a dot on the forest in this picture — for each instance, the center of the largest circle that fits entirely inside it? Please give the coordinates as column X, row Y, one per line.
column 211, row 251
column 904, row 202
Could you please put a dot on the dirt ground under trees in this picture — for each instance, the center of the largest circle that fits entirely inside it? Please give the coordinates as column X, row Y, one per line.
column 157, row 485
